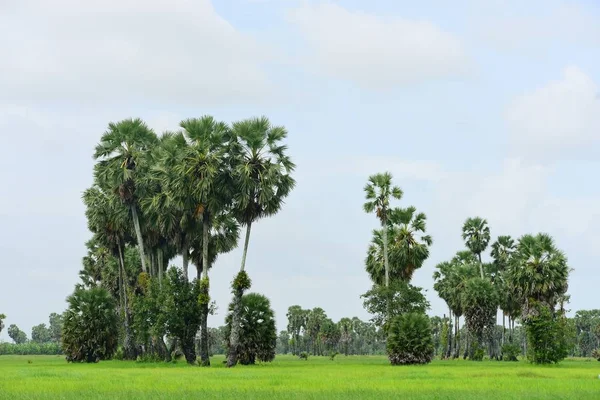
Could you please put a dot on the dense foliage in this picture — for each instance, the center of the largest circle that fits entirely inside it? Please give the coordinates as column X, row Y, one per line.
column 410, row 340
column 90, row 326
column 17, row 335
column 258, row 334
column 547, row 337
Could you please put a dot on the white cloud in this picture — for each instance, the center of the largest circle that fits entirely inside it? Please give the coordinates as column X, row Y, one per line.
column 117, row 50
column 375, row 51
column 558, row 119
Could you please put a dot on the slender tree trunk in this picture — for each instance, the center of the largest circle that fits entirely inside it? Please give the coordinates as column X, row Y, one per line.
column 449, row 349
column 204, row 357
column 234, row 338
column 456, row 338
column 185, row 253
column 138, row 233
column 160, row 268
column 128, row 342
column 385, row 254
column 480, row 265
column 503, row 327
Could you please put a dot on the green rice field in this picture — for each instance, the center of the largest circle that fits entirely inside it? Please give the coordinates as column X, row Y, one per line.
column 353, row 377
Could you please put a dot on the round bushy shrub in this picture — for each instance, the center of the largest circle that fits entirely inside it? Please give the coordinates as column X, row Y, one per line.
column 258, row 334
column 596, row 354
column 90, row 327
column 410, row 340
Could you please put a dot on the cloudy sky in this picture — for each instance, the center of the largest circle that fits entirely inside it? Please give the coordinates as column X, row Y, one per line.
column 478, row 108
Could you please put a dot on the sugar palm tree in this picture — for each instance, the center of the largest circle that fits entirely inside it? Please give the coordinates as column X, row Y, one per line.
column 205, row 166
column 408, row 246
column 121, row 154
column 262, row 175
column 378, row 192
column 539, row 273
column 476, row 234
column 502, row 252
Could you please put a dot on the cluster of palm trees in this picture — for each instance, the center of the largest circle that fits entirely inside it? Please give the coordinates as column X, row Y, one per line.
column 184, row 193
column 522, row 278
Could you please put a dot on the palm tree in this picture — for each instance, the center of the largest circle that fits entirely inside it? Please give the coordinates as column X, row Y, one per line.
column 407, row 250
column 262, row 175
column 476, row 235
column 502, row 252
column 378, row 192
column 539, row 273
column 121, row 152
column 206, row 166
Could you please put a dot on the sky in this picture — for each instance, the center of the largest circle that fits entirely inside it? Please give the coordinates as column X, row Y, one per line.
column 487, row 109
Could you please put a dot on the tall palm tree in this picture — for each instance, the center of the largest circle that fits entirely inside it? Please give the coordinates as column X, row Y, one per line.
column 121, row 154
column 378, row 192
column 206, row 166
column 262, row 175
column 476, row 234
column 408, row 246
column 502, row 252
column 539, row 273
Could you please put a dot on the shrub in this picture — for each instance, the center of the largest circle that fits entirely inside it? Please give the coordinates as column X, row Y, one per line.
column 303, row 356
column 410, row 340
column 510, row 352
column 596, row 354
column 332, row 355
column 90, row 329
column 258, row 334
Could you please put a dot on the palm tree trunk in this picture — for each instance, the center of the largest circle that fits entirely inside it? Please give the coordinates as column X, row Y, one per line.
column 234, row 338
column 456, row 339
column 503, row 327
column 185, row 253
column 449, row 349
column 480, row 265
column 127, row 343
column 204, row 357
column 138, row 233
column 385, row 254
column 160, row 267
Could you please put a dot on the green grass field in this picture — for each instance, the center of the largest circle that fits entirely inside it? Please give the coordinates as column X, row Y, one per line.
column 50, row 377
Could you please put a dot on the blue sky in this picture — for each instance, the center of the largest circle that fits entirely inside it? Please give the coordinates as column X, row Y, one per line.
column 477, row 108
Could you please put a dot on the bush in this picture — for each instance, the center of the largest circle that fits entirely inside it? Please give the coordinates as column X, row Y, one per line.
column 90, row 328
column 303, row 356
column 547, row 336
column 258, row 335
column 332, row 355
column 510, row 352
column 410, row 340
column 596, row 354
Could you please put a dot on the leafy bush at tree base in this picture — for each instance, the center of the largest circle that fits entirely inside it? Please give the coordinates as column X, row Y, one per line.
column 547, row 337
column 90, row 331
column 510, row 352
column 410, row 340
column 258, row 334
column 596, row 354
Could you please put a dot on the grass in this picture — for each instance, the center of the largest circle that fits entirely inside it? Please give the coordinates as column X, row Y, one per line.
column 368, row 377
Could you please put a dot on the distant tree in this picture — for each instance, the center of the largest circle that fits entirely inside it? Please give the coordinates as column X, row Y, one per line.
column 410, row 340
column 379, row 191
column 346, row 327
column 90, row 330
column 258, row 338
column 17, row 335
column 314, row 322
column 2, row 318
column 283, row 342
column 480, row 303
column 296, row 323
column 56, row 323
column 476, row 234
column 385, row 303
column 41, row 334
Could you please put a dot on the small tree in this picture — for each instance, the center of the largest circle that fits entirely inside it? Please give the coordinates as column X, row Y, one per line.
column 2, row 318
column 548, row 337
column 90, row 330
column 480, row 302
column 258, row 338
column 17, row 335
column 410, row 340
column 183, row 311
column 56, row 323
